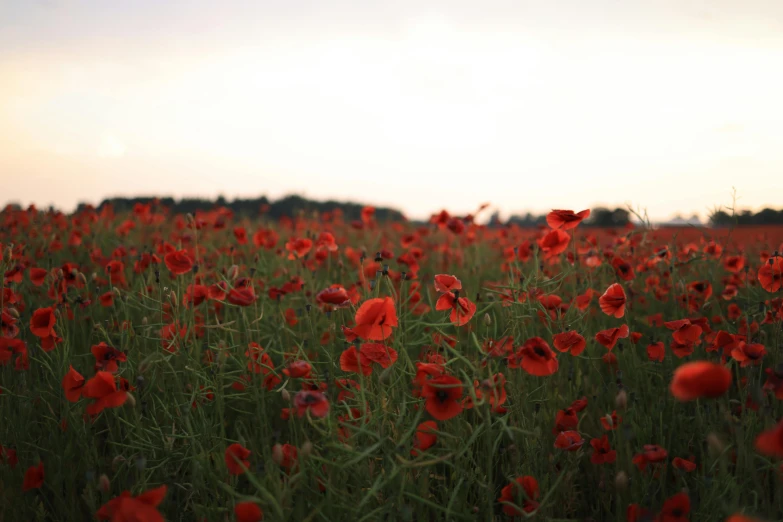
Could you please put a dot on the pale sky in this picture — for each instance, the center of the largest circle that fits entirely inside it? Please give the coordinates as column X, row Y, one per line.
column 529, row 105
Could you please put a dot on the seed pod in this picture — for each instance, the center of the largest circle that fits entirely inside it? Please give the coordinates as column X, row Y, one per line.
column 621, row 400
column 621, row 481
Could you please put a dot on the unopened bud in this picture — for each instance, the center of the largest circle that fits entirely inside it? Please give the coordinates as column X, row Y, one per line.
column 82, row 278
column 116, row 461
column 307, row 449
column 145, row 321
column 130, row 400
column 189, row 218
column 13, row 311
column 233, row 272
column 285, row 395
column 621, row 400
column 487, row 319
column 386, row 374
column 715, row 445
column 173, row 299
column 277, row 453
column 621, row 481
column 116, row 291
column 104, row 484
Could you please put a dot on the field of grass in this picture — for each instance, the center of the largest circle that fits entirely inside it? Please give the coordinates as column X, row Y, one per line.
column 186, row 368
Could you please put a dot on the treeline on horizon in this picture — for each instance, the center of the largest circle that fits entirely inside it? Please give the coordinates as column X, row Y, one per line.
column 292, row 205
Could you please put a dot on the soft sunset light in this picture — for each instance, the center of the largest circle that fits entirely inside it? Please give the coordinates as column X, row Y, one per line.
column 529, row 105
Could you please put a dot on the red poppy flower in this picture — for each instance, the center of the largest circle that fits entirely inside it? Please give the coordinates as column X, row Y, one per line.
column 375, row 319
column 675, row 509
column 42, row 322
column 700, row 379
column 770, row 442
column 685, row 465
column 537, row 357
column 314, row 402
column 447, row 283
column 684, row 332
column 610, row 336
column 611, row 422
column 106, row 357
column 73, row 382
column 569, row 441
column 285, row 455
column 103, row 389
column 739, row 517
column 636, row 513
column 378, row 353
column 241, row 296
column 602, row 451
column 462, row 308
column 652, row 454
column 33, row 477
column 127, row 508
column 554, row 243
column 623, row 269
column 178, row 262
column 236, row 458
column 37, row 276
column 333, row 298
column 248, row 512
column 770, row 275
column 442, row 396
column 426, row 437
column 523, row 492
column 298, row 369
column 613, row 301
column 749, row 354
column 566, row 219
column 298, row 247
column 656, row 351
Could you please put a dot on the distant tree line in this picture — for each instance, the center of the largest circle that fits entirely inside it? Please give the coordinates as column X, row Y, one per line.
column 287, row 206
column 766, row 216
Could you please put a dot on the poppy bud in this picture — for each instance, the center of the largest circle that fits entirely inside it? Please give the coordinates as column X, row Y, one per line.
column 13, row 311
column 59, row 273
column 116, row 461
column 144, row 321
column 385, row 376
column 131, row 400
column 82, row 278
column 306, row 450
column 173, row 298
column 104, row 484
column 621, row 481
column 487, row 319
column 277, row 453
column 189, row 218
column 285, row 395
column 714, row 444
column 233, row 272
column 116, row 291
column 621, row 400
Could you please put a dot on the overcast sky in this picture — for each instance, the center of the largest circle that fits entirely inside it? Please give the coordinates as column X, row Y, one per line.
column 529, row 105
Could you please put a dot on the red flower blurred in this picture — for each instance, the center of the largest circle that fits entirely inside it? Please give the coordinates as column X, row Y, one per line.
column 700, row 379
column 248, row 512
column 42, row 322
column 770, row 442
column 524, row 489
column 314, row 402
column 73, row 382
column 236, row 457
column 178, row 262
column 426, row 437
column 127, row 508
column 33, row 477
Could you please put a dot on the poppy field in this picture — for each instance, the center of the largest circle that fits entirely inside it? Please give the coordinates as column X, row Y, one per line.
column 218, row 367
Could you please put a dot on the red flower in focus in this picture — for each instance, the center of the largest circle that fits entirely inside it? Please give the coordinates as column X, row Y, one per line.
column 447, row 283
column 127, row 508
column 241, row 296
column 523, row 492
column 656, row 351
column 700, row 379
column 375, row 319
column 684, row 332
column 770, row 275
column 537, row 357
column 42, row 322
column 103, row 389
column 236, row 457
column 462, row 308
column 73, row 382
column 569, row 441
column 248, row 512
column 333, row 298
column 426, row 437
column 569, row 341
column 611, row 422
column 33, row 477
column 442, row 395
column 613, row 301
column 749, row 354
column 609, row 337
column 314, row 402
column 554, row 243
column 298, row 369
column 566, row 219
column 178, row 262
column 770, row 442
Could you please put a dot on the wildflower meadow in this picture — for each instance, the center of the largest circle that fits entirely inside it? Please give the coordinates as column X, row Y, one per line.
column 221, row 367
